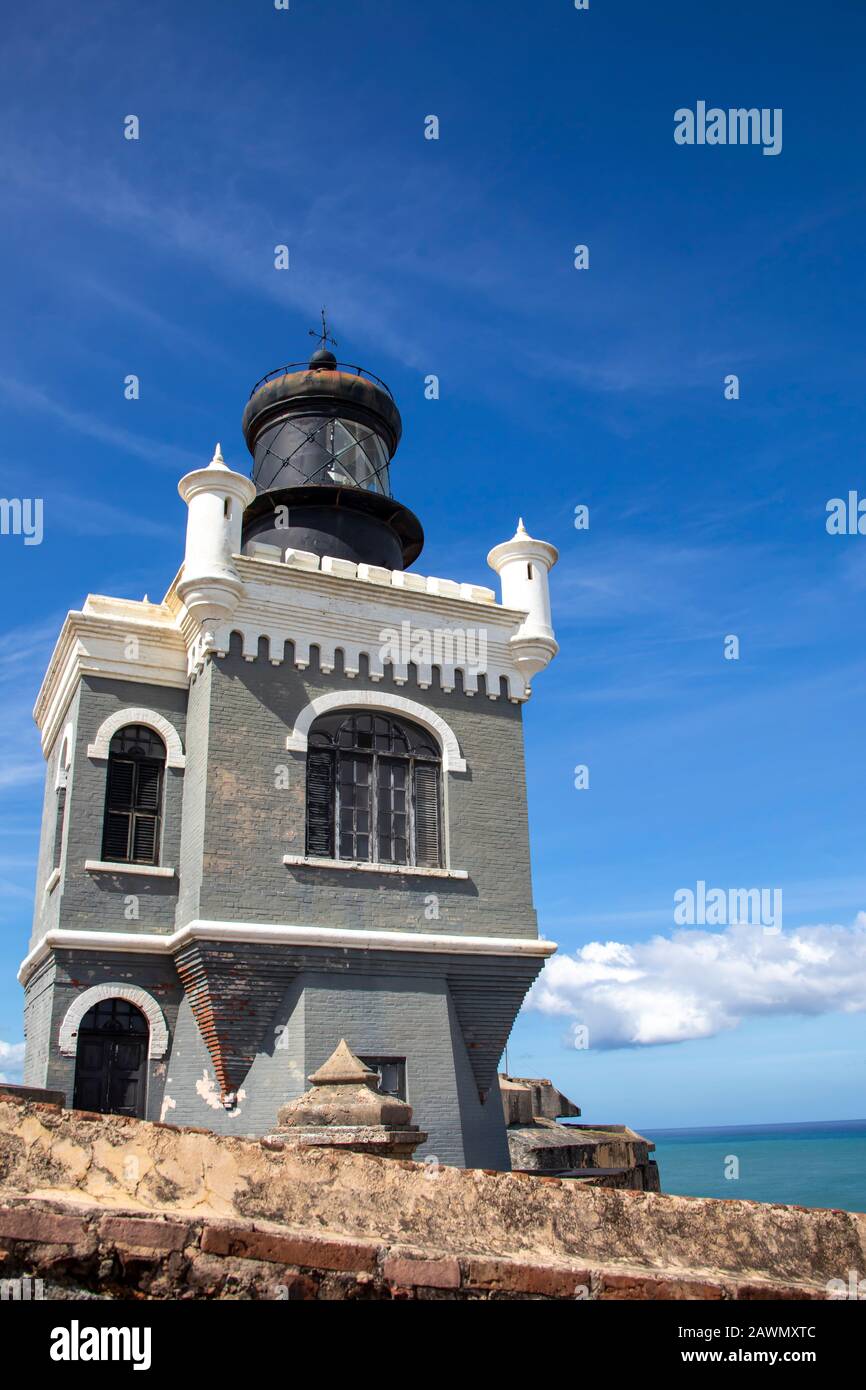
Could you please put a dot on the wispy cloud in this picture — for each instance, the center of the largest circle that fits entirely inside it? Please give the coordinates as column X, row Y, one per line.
column 25, row 396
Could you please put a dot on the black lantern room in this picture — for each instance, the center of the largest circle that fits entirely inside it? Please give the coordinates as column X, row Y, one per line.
column 322, row 435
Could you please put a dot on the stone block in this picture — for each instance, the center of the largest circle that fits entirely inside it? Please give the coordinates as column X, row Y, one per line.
column 512, row 1276
column 260, row 550
column 343, row 569
column 301, row 559
column 408, row 1271
column 313, row 1252
column 374, row 574
column 42, row 1227
column 143, row 1234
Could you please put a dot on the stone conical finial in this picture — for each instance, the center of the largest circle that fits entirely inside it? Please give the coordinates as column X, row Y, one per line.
column 343, row 1068
column 345, row 1109
column 218, row 461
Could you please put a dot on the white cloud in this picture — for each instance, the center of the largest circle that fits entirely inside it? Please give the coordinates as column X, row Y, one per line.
column 695, row 984
column 11, row 1057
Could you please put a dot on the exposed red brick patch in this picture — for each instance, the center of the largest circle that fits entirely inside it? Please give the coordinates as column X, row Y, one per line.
column 513, row 1276
column 46, row 1227
column 409, row 1272
column 313, row 1252
column 142, row 1233
column 774, row 1291
column 643, row 1286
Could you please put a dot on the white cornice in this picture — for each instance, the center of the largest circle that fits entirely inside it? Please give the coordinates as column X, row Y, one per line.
column 255, row 933
column 95, row 641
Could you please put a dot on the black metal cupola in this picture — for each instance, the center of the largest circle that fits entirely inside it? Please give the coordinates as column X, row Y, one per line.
column 322, row 435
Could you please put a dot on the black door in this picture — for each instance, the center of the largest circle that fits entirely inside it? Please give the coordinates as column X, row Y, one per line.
column 111, row 1061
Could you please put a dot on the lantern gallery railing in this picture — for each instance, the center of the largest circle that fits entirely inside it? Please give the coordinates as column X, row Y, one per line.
column 350, row 368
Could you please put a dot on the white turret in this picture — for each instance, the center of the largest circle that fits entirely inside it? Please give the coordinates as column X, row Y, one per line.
column 216, row 497
column 523, row 565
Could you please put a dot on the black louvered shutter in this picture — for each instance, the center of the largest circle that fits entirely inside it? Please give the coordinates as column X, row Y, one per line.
column 320, row 803
column 132, row 804
column 144, row 840
column 121, row 781
column 118, row 809
column 149, row 778
column 427, row 849
column 145, row 832
column 115, row 836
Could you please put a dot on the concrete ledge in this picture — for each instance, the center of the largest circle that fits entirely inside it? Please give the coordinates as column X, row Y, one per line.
column 10, row 1091
column 105, row 866
column 304, row 862
column 265, row 933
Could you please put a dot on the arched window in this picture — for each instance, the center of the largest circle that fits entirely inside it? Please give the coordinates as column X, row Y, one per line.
column 133, row 797
column 373, row 790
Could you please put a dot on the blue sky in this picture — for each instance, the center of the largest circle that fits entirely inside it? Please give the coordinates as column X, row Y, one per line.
column 558, row 387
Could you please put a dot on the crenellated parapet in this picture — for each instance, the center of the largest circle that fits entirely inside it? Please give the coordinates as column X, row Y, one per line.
column 355, row 616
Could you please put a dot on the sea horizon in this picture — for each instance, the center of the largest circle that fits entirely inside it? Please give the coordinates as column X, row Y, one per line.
column 764, row 1128
column 782, row 1162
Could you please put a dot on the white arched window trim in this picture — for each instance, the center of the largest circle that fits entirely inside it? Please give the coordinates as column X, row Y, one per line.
column 135, row 715
column 77, row 1010
column 452, row 760
column 64, row 761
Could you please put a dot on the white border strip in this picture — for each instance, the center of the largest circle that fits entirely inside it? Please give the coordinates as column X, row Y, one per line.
column 383, row 700
column 255, row 933
column 81, row 1005
column 137, row 714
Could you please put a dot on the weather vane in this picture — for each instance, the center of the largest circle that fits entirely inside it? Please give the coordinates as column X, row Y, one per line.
column 324, row 337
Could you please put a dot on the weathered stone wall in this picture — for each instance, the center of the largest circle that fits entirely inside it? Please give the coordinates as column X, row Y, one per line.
column 119, row 1253
column 389, row 1226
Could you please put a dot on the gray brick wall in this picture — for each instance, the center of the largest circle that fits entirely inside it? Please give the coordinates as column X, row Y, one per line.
column 250, row 824
column 382, row 1008
column 38, row 1006
column 226, row 828
column 46, row 906
column 77, row 971
column 97, row 901
column 194, row 796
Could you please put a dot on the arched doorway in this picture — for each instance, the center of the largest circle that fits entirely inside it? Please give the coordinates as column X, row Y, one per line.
column 111, row 1059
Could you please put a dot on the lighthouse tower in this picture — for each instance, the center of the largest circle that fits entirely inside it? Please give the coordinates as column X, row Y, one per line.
column 286, row 804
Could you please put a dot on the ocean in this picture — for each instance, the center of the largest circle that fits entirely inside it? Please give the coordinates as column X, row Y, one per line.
column 809, row 1165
